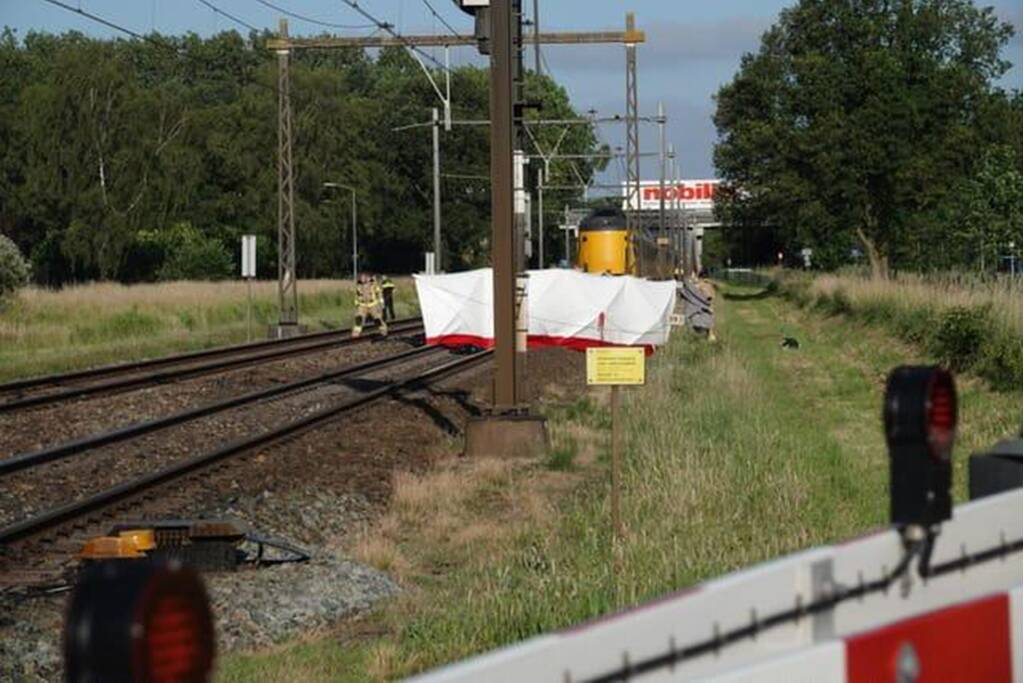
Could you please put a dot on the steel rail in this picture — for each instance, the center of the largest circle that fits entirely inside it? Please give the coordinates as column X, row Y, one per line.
column 60, row 451
column 184, row 372
column 120, row 368
column 121, row 492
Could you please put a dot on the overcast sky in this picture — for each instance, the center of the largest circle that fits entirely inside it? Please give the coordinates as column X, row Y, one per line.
column 692, row 47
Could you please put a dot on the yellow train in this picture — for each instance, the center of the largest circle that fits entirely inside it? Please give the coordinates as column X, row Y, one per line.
column 604, row 245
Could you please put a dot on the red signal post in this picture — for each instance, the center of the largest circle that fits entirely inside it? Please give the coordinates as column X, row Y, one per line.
column 920, row 414
column 139, row 621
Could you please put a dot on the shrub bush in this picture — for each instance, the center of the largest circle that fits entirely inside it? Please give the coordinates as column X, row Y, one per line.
column 959, row 337
column 14, row 270
column 202, row 259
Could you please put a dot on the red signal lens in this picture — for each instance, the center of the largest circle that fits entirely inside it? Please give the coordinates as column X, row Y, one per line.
column 172, row 645
column 175, row 641
column 940, row 415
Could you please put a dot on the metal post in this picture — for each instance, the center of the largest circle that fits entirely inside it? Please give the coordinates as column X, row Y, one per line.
column 287, row 291
column 661, row 191
column 506, row 390
column 632, row 141
column 540, row 218
column 568, row 258
column 355, row 240
column 437, row 192
column 677, row 212
column 248, row 313
column 536, row 37
column 616, row 466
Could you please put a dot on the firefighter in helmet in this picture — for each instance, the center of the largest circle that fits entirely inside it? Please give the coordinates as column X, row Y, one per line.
column 368, row 303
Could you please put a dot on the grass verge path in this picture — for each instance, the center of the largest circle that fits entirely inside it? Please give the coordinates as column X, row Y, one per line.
column 736, row 452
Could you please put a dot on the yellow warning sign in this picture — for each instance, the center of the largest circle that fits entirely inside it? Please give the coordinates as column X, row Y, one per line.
column 615, row 365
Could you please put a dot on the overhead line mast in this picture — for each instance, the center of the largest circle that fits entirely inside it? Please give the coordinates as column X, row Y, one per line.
column 501, row 24
column 287, row 290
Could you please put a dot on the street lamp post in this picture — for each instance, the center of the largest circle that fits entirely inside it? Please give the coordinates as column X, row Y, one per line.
column 355, row 243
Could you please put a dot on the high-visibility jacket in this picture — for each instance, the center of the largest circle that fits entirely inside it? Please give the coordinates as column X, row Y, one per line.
column 387, row 284
column 367, row 294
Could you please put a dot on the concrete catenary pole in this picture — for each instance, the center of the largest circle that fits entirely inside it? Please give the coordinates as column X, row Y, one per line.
column 438, row 267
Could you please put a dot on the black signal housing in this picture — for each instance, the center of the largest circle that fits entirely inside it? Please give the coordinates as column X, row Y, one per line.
column 920, row 416
column 138, row 621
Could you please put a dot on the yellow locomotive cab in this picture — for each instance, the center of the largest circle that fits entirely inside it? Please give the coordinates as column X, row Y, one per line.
column 604, row 245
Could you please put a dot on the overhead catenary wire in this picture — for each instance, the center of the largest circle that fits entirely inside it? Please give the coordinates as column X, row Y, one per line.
column 311, row 20
column 152, row 40
column 218, row 10
column 444, row 21
column 389, row 28
column 97, row 19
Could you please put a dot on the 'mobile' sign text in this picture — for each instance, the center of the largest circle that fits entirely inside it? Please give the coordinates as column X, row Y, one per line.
column 696, row 195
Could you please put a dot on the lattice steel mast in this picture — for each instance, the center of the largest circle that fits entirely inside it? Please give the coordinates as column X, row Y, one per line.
column 632, row 138
column 287, row 290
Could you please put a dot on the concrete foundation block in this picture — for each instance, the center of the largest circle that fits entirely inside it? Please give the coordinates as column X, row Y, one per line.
column 506, row 436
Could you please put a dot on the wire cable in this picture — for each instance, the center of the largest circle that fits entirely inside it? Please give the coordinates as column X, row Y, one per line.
column 442, row 19
column 232, row 17
column 152, row 40
column 385, row 26
column 310, row 20
column 97, row 19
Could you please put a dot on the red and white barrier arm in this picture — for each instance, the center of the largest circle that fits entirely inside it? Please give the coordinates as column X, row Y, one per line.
column 833, row 613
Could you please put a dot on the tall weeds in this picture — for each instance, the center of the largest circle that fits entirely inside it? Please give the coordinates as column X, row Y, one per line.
column 967, row 324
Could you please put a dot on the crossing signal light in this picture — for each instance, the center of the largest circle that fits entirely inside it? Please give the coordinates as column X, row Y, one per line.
column 920, row 415
column 138, row 621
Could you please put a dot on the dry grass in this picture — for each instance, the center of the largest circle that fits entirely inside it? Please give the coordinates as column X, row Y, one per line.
column 53, row 330
column 101, row 295
column 915, row 292
column 968, row 324
column 463, row 510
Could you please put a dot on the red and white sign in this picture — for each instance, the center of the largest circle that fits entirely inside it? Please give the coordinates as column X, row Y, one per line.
column 696, row 195
column 961, row 625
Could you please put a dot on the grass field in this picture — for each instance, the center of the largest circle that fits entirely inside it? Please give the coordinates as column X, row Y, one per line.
column 964, row 322
column 735, row 453
column 43, row 331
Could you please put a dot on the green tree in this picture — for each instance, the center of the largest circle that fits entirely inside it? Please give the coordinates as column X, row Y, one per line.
column 857, row 122
column 107, row 145
column 14, row 269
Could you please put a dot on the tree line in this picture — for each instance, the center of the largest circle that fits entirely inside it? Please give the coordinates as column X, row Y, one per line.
column 147, row 159
column 874, row 129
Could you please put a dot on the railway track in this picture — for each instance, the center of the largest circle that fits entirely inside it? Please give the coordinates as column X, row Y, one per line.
column 54, row 531
column 108, row 379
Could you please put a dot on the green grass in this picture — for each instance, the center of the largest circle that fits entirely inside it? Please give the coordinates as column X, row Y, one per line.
column 966, row 324
column 736, row 452
column 43, row 331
